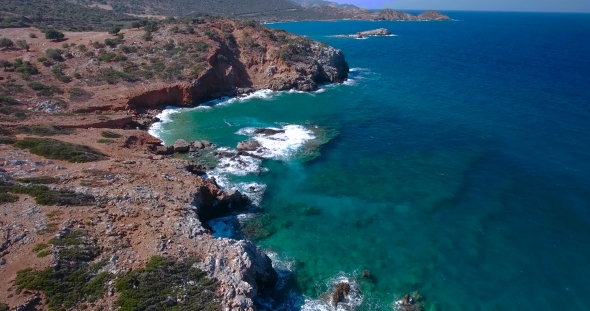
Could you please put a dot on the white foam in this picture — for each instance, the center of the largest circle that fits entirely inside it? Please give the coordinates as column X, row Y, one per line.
column 261, row 94
column 351, row 302
column 165, row 117
column 280, row 146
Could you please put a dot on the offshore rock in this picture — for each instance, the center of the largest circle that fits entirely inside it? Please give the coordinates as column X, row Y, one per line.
column 339, row 294
column 375, row 32
column 248, row 145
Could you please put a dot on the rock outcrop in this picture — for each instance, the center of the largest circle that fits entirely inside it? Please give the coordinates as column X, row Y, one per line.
column 433, row 16
column 277, row 60
column 382, row 15
column 369, row 33
column 212, row 202
column 240, row 268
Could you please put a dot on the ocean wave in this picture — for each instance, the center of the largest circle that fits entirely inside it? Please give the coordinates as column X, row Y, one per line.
column 280, row 146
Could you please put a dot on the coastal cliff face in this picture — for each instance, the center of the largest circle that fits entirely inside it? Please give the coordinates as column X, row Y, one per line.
column 247, row 59
column 151, row 205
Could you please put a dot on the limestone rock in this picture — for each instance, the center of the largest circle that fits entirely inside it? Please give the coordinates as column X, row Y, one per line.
column 180, row 145
column 375, row 33
column 240, row 268
column 268, row 132
column 249, row 145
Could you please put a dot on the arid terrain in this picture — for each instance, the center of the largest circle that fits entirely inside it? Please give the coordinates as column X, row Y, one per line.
column 88, row 198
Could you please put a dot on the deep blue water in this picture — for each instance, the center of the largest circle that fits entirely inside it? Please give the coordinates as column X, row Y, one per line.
column 458, row 165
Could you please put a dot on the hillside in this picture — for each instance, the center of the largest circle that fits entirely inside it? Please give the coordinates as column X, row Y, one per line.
column 60, row 14
column 113, row 217
column 252, row 9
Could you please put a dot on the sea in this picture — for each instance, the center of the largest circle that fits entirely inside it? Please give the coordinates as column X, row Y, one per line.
column 455, row 162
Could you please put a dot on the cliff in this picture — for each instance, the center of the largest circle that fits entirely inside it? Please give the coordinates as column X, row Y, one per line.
column 133, row 204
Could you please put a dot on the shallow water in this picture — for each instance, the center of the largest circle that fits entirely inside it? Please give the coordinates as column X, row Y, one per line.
column 454, row 162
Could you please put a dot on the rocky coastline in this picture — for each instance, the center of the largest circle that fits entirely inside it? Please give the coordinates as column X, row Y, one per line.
column 137, row 200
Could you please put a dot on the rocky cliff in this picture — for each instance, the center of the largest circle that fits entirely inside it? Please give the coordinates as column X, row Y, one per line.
column 249, row 58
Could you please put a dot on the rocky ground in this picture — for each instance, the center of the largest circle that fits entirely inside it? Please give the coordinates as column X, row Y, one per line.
column 84, row 189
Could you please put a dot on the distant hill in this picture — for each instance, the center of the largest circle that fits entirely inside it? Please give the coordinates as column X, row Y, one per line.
column 59, row 14
column 251, row 9
column 319, row 3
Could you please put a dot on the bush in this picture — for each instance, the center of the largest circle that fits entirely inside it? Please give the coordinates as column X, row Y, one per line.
column 151, row 287
column 73, row 280
column 43, row 130
column 46, row 196
column 54, row 54
column 6, row 43
column 57, row 71
column 8, row 198
column 109, row 134
column 44, row 90
column 58, row 150
column 114, row 30
column 7, row 140
column 25, row 68
column 32, row 35
column 22, row 44
column 52, row 34
column 105, row 141
column 41, row 180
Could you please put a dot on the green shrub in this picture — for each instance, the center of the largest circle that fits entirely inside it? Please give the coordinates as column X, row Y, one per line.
column 46, row 196
column 32, row 35
column 52, row 34
column 4, row 307
column 6, row 43
column 109, row 134
column 25, row 68
column 58, row 150
column 42, row 180
column 40, row 130
column 44, row 254
column 7, row 198
column 7, row 140
column 105, row 141
column 149, row 288
column 55, row 54
column 73, row 280
column 57, row 71
column 40, row 247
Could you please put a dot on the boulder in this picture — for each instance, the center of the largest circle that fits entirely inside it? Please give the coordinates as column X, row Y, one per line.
column 249, row 145
column 267, row 132
column 163, row 150
column 339, row 294
column 206, row 143
column 180, row 145
column 212, row 202
column 197, row 145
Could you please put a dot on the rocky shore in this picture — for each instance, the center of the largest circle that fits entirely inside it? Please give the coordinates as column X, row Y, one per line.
column 86, row 189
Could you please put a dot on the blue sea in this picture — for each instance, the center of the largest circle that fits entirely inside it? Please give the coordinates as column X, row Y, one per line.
column 454, row 162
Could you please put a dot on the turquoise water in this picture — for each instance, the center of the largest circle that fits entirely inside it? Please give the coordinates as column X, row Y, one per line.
column 455, row 162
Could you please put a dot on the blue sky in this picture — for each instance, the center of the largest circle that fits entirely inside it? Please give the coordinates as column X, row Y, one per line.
column 477, row 5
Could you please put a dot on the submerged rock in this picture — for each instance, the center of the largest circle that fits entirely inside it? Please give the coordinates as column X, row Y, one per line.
column 411, row 302
column 268, row 132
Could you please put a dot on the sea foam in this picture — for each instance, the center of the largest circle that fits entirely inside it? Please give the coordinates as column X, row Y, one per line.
column 280, row 146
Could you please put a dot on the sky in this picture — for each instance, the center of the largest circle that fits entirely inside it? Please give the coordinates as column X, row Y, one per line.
column 477, row 5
